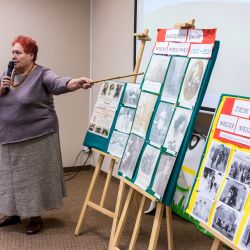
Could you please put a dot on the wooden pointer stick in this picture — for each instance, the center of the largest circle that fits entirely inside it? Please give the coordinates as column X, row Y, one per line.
column 117, row 77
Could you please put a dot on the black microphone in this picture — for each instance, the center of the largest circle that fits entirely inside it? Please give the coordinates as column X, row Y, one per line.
column 9, row 72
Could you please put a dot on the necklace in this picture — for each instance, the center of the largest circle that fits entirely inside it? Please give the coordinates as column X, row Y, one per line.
column 24, row 76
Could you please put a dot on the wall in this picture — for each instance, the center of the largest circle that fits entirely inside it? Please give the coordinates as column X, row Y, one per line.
column 61, row 29
column 112, row 41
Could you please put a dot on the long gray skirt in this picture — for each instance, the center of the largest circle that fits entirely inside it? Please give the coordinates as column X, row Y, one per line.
column 31, row 176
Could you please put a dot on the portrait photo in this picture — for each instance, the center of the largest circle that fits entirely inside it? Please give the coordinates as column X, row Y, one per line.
column 163, row 172
column 245, row 237
column 146, row 166
column 234, row 194
column 131, row 95
column 202, row 208
column 161, row 123
column 217, row 156
column 177, row 130
column 174, row 78
column 125, row 119
column 240, row 167
column 143, row 113
column 131, row 155
column 117, row 144
column 225, row 220
column 192, row 82
column 210, row 183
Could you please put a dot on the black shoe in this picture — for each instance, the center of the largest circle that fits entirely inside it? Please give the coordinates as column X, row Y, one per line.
column 9, row 220
column 35, row 225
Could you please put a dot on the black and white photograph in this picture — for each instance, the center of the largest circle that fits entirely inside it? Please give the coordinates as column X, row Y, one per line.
column 125, row 119
column 143, row 113
column 131, row 95
column 163, row 173
column 234, row 194
column 177, row 130
column 174, row 78
column 245, row 238
column 161, row 123
column 225, row 220
column 131, row 155
column 192, row 82
column 240, row 167
column 155, row 73
column 210, row 183
column 217, row 156
column 146, row 166
column 202, row 208
column 117, row 144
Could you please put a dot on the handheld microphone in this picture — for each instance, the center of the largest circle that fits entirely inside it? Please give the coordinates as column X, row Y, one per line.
column 9, row 72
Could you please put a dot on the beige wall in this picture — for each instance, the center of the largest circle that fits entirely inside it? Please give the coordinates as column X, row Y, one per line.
column 61, row 28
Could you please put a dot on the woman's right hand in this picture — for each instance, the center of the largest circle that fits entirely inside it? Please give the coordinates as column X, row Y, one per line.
column 5, row 84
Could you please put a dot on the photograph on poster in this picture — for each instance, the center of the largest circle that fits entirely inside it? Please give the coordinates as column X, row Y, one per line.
column 146, row 166
column 210, row 183
column 163, row 173
column 202, row 208
column 177, row 130
column 117, row 144
column 174, row 78
column 143, row 114
column 131, row 155
column 125, row 120
column 131, row 95
column 161, row 123
column 111, row 89
column 192, row 82
column 245, row 237
column 234, row 194
column 240, row 167
column 225, row 220
column 217, row 157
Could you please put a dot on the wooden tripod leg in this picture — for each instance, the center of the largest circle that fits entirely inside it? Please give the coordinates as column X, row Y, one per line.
column 122, row 221
column 87, row 199
column 107, row 182
column 137, row 224
column 169, row 228
column 217, row 244
column 156, row 226
column 117, row 211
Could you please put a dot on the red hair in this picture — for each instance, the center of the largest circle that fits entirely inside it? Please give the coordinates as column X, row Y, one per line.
column 29, row 45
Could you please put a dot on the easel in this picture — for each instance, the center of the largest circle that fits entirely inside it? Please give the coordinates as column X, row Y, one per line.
column 156, row 224
column 143, row 37
column 219, row 239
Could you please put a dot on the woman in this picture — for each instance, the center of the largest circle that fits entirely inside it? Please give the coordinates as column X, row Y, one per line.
column 31, row 174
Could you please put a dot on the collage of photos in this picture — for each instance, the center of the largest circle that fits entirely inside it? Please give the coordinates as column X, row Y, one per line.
column 177, row 130
column 131, row 155
column 162, row 174
column 192, row 82
column 147, row 166
column 161, row 123
column 155, row 73
column 174, row 78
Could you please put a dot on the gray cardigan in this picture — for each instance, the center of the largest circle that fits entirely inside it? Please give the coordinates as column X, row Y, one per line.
column 27, row 111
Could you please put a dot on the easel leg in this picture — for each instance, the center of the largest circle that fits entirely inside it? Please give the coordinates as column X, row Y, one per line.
column 137, row 224
column 217, row 244
column 107, row 182
column 156, row 226
column 122, row 220
column 91, row 187
column 169, row 228
column 117, row 211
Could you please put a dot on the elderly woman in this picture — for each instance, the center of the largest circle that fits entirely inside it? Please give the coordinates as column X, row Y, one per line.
column 31, row 174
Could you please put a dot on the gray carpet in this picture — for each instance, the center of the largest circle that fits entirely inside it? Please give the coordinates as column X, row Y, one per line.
column 59, row 225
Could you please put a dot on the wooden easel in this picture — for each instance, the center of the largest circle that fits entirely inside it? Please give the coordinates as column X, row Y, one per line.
column 156, row 224
column 143, row 37
column 219, row 239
